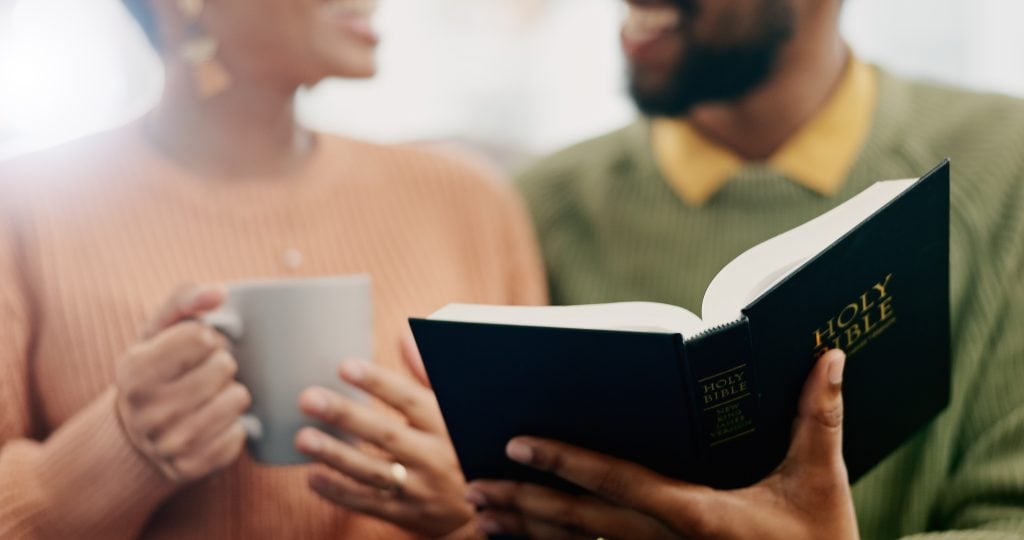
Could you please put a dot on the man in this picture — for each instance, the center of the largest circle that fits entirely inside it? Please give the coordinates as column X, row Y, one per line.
column 758, row 118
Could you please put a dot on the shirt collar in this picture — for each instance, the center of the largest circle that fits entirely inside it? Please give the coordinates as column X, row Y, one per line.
column 818, row 156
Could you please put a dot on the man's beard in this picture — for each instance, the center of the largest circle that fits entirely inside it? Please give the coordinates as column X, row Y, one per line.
column 713, row 73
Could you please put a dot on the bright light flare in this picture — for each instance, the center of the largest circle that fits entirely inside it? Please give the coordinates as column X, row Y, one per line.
column 67, row 67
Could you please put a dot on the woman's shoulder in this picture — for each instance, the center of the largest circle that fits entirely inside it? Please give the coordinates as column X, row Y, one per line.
column 75, row 165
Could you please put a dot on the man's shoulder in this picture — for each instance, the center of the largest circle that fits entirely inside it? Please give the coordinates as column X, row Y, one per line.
column 588, row 165
column 958, row 120
column 955, row 100
column 982, row 134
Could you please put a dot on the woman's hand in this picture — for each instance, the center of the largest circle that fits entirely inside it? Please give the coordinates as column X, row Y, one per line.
column 405, row 471
column 807, row 497
column 177, row 398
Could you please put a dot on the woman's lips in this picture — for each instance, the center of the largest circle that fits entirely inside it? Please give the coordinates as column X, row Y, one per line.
column 356, row 17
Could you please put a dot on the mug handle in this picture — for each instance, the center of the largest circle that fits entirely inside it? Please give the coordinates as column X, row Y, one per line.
column 226, row 322
column 230, row 324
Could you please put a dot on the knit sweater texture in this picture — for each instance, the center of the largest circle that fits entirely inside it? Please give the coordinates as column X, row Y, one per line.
column 612, row 229
column 94, row 237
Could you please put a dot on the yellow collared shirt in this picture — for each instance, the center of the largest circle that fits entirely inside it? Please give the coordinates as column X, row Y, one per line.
column 818, row 156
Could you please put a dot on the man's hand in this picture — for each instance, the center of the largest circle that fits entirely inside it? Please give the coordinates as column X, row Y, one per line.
column 807, row 497
column 177, row 399
column 418, row 485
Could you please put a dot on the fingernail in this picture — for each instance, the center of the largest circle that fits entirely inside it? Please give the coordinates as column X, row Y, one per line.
column 835, row 368
column 476, row 498
column 311, row 441
column 316, row 401
column 519, row 452
column 489, row 526
column 353, row 370
column 199, row 293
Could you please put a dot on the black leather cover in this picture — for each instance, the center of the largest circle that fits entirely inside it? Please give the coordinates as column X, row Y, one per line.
column 718, row 408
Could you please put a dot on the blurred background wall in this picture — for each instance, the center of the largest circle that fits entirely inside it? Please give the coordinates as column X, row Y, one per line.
column 512, row 78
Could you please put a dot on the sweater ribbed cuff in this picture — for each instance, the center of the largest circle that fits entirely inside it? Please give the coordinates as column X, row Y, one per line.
column 94, row 481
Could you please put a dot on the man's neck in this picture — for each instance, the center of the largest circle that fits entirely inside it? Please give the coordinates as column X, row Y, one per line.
column 808, row 71
column 248, row 131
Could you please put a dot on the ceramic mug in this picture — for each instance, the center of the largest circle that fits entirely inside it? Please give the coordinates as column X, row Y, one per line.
column 288, row 335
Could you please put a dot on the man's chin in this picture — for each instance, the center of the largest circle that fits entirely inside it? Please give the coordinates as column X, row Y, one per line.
column 658, row 98
column 683, row 73
column 704, row 77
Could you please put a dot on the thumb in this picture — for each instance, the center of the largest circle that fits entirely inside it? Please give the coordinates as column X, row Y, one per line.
column 818, row 430
column 413, row 359
column 186, row 302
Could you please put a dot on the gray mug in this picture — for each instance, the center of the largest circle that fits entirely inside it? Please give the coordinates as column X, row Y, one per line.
column 289, row 335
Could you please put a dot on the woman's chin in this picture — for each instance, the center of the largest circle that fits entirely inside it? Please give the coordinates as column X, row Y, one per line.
column 347, row 62
column 367, row 71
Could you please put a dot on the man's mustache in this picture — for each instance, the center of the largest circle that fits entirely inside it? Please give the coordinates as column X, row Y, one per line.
column 688, row 7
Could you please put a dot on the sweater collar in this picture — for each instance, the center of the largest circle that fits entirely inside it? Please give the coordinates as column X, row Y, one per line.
column 818, row 156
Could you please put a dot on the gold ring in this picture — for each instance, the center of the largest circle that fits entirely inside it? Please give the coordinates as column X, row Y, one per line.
column 399, row 475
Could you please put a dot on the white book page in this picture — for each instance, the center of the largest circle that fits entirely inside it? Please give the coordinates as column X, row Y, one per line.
column 626, row 316
column 759, row 268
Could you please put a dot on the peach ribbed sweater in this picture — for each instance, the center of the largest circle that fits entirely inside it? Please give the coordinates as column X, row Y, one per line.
column 95, row 235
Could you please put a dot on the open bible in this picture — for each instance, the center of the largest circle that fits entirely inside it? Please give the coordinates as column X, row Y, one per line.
column 711, row 399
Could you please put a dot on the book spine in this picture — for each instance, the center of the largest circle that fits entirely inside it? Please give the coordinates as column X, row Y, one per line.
column 725, row 397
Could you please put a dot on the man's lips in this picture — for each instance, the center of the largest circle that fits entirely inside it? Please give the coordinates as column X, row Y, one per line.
column 648, row 22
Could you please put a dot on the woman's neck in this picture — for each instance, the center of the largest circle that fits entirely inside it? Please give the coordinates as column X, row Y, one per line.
column 247, row 131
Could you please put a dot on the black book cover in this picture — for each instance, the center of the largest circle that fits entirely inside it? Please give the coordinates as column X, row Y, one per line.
column 718, row 408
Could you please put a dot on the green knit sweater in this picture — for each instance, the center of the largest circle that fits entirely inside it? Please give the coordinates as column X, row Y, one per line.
column 612, row 229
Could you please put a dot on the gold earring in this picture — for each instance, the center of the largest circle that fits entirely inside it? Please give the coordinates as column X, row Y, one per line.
column 200, row 52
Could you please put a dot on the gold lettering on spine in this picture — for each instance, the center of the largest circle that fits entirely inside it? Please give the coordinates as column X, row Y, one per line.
column 726, row 402
column 725, row 387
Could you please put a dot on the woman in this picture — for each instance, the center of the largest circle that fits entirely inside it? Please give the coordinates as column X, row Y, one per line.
column 108, row 435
